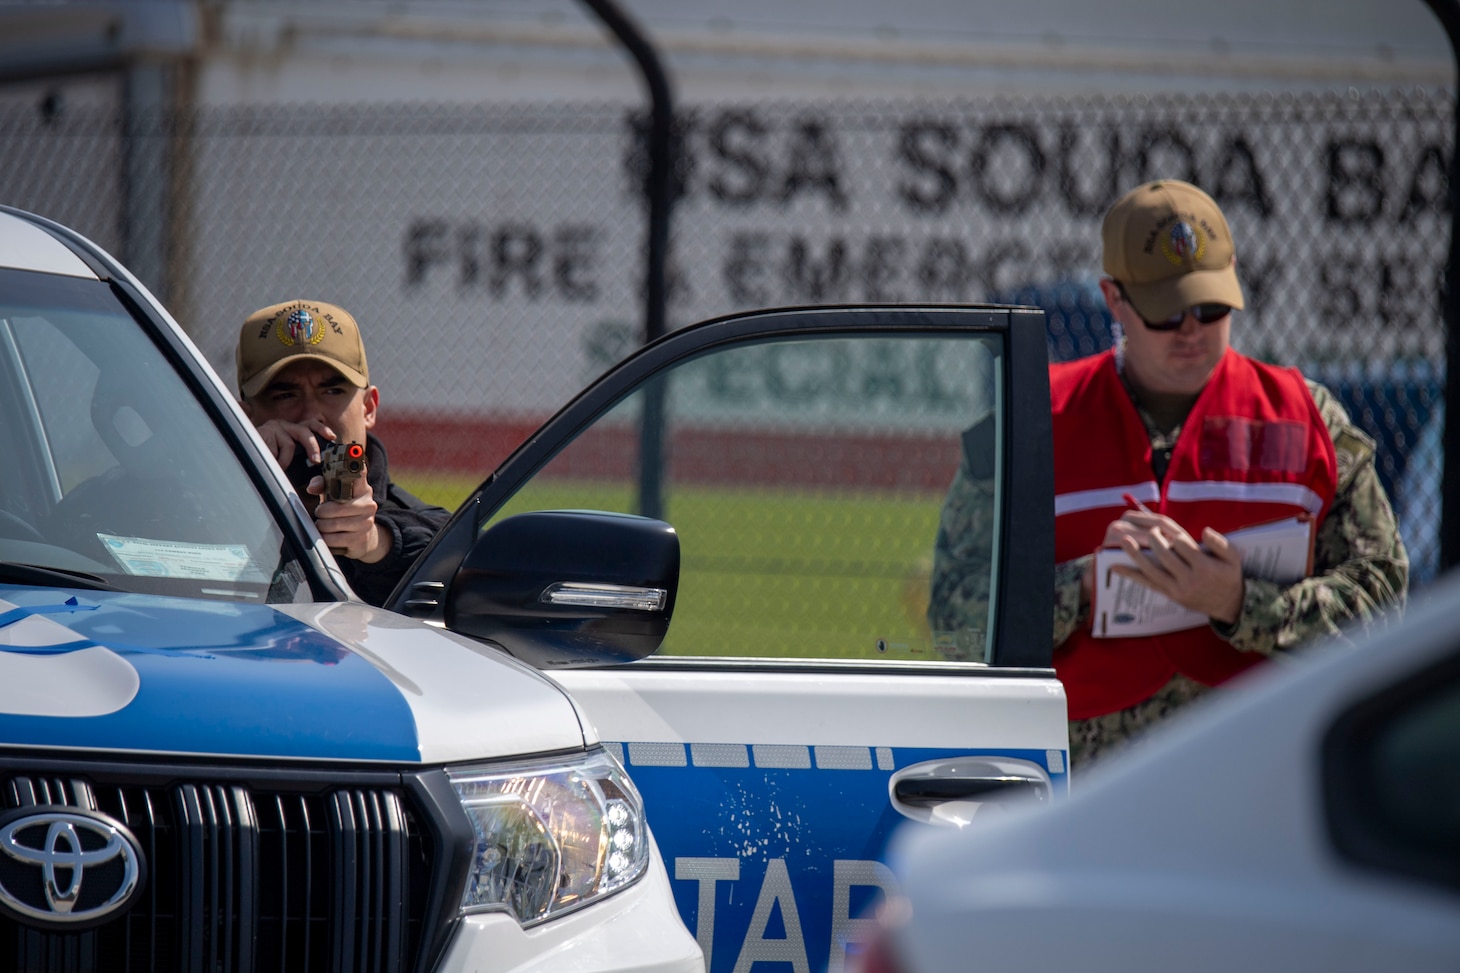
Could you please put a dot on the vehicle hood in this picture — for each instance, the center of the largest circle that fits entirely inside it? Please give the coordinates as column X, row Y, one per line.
column 137, row 673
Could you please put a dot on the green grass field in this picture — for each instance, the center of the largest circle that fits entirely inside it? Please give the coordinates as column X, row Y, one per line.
column 775, row 573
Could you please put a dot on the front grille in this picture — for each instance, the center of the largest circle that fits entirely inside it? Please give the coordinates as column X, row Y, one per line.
column 243, row 876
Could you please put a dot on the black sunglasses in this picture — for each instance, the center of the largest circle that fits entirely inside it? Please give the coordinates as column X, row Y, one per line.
column 1204, row 314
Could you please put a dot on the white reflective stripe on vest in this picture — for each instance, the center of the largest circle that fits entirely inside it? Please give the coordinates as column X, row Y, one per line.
column 1195, row 491
column 1071, row 503
column 1190, row 491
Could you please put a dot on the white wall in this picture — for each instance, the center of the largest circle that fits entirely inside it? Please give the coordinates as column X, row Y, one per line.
column 266, row 51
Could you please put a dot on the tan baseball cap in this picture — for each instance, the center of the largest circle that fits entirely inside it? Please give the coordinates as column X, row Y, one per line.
column 274, row 336
column 1168, row 243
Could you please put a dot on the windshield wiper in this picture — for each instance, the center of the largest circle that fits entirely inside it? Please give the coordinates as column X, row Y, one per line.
column 16, row 573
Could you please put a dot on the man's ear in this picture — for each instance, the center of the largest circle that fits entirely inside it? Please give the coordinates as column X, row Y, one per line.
column 371, row 403
column 247, row 408
column 1110, row 292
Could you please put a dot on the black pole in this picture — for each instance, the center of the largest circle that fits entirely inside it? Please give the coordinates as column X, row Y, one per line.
column 1448, row 12
column 659, row 187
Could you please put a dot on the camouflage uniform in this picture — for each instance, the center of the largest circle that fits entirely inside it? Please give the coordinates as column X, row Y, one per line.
column 1359, row 564
column 958, row 596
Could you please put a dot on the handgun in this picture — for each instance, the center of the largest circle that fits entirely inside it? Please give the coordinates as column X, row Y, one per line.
column 341, row 465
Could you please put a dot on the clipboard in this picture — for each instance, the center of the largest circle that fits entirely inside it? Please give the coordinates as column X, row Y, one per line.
column 1279, row 550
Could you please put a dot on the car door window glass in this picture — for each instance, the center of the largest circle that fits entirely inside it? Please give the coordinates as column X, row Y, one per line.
column 1392, row 775
column 805, row 479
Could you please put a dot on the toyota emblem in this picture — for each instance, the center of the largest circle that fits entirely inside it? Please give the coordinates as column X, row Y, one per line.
column 67, row 868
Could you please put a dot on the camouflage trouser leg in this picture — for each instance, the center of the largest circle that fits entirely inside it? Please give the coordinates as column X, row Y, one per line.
column 1102, row 735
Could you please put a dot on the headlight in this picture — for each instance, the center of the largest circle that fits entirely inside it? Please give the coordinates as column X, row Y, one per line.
column 551, row 835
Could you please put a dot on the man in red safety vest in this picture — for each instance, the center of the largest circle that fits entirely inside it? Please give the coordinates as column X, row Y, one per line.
column 1165, row 446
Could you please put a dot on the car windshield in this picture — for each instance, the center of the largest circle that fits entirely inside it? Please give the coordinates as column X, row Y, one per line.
column 113, row 474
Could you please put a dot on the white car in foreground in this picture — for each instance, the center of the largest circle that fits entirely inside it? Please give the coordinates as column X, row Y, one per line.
column 1308, row 819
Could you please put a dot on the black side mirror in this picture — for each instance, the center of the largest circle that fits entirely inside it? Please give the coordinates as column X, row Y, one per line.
column 562, row 588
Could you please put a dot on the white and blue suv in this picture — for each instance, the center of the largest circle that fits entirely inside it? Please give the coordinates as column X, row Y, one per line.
column 215, row 757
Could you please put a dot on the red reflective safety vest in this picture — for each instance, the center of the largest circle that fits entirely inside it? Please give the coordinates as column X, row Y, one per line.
column 1254, row 449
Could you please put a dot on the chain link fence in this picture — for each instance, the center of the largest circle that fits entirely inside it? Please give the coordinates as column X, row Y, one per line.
column 494, row 254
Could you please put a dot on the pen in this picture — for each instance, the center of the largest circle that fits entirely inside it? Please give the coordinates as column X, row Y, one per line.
column 1134, row 503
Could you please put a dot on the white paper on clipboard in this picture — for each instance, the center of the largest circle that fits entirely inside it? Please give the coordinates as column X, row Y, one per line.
column 1280, row 551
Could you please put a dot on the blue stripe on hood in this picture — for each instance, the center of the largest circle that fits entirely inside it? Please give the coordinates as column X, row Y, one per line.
column 212, row 678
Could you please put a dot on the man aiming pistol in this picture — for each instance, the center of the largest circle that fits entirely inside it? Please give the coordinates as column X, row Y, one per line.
column 303, row 381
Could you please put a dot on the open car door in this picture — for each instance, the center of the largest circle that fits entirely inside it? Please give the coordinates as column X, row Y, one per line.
column 802, row 706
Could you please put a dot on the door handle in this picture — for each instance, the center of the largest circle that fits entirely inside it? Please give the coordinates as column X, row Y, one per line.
column 927, row 791
column 956, row 789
